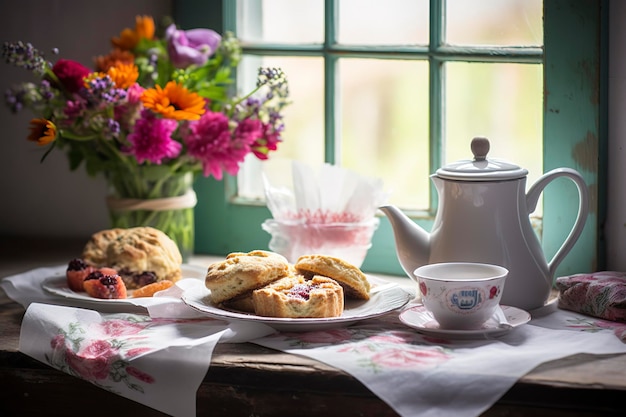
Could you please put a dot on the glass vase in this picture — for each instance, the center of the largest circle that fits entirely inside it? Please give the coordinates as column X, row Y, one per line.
column 153, row 196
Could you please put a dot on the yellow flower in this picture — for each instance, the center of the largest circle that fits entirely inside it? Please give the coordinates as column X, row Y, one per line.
column 174, row 102
column 129, row 38
column 42, row 131
column 123, row 75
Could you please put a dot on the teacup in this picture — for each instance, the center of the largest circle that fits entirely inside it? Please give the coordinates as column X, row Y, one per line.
column 461, row 295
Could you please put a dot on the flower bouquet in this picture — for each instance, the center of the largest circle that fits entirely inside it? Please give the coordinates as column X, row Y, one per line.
column 154, row 112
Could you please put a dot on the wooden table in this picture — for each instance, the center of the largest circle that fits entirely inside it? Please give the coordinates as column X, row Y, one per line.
column 249, row 380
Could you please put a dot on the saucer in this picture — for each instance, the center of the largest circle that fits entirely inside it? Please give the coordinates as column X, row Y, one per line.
column 422, row 320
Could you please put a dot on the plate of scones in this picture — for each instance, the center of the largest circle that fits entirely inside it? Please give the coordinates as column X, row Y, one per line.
column 316, row 292
column 123, row 266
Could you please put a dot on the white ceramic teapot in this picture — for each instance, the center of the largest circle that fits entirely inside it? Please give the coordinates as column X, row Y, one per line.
column 483, row 216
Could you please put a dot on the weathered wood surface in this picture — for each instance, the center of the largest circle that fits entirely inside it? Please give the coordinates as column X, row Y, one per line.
column 249, row 380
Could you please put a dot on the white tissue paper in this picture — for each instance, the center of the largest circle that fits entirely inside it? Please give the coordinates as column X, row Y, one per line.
column 329, row 211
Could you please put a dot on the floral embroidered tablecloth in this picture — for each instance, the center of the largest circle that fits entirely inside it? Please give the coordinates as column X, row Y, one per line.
column 419, row 375
column 160, row 361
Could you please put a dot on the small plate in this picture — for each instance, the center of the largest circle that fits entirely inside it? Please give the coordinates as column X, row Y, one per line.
column 58, row 286
column 383, row 299
column 422, row 320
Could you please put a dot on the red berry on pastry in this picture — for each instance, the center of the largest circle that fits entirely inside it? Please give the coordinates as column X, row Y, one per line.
column 100, row 285
column 77, row 271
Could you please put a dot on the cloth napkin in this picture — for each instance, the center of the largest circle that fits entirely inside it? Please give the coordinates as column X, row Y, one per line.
column 155, row 351
column 427, row 376
column 157, row 362
column 598, row 294
column 26, row 288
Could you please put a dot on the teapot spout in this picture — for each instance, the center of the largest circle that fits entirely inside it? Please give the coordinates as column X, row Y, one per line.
column 412, row 242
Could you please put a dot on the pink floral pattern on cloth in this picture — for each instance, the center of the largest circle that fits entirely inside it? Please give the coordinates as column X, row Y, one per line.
column 145, row 359
column 372, row 349
column 586, row 324
column 599, row 294
column 105, row 354
column 102, row 351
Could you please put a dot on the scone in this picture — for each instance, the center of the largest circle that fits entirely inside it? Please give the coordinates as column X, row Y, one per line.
column 141, row 255
column 296, row 297
column 241, row 303
column 258, row 253
column 95, row 251
column 351, row 278
column 240, row 273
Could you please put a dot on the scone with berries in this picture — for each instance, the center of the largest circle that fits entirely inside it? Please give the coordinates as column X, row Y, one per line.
column 352, row 279
column 140, row 255
column 297, row 297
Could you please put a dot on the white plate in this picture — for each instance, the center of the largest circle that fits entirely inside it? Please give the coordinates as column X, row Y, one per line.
column 58, row 286
column 387, row 299
column 422, row 320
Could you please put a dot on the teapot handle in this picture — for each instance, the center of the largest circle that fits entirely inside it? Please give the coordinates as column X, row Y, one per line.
column 583, row 209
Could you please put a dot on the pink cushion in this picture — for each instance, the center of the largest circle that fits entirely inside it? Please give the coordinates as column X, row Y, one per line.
column 599, row 294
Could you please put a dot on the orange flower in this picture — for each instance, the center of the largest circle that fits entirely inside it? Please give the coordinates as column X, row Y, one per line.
column 129, row 38
column 174, row 102
column 116, row 56
column 42, row 131
column 123, row 75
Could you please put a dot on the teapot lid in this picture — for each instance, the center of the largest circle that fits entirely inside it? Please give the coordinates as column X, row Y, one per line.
column 480, row 168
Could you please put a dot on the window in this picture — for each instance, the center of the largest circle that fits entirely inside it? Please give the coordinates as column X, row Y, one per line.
column 431, row 67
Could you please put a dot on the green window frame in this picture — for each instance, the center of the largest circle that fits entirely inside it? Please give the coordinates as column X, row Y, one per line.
column 575, row 39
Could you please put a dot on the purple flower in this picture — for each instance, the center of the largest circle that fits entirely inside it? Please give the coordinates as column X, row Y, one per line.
column 25, row 55
column 152, row 139
column 191, row 47
column 14, row 98
column 101, row 91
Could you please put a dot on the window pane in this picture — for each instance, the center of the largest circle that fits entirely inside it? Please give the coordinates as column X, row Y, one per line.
column 303, row 137
column 384, row 125
column 494, row 22
column 394, row 22
column 500, row 101
column 281, row 21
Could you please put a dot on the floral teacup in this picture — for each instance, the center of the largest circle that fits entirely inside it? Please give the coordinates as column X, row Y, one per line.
column 461, row 295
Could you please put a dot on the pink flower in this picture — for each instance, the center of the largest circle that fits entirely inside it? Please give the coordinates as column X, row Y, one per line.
column 268, row 141
column 423, row 288
column 70, row 74
column 248, row 130
column 402, row 358
column 134, row 93
column 137, row 351
column 92, row 362
column 116, row 327
column 57, row 341
column 140, row 375
column 128, row 113
column 74, row 108
column 152, row 139
column 493, row 291
column 210, row 141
